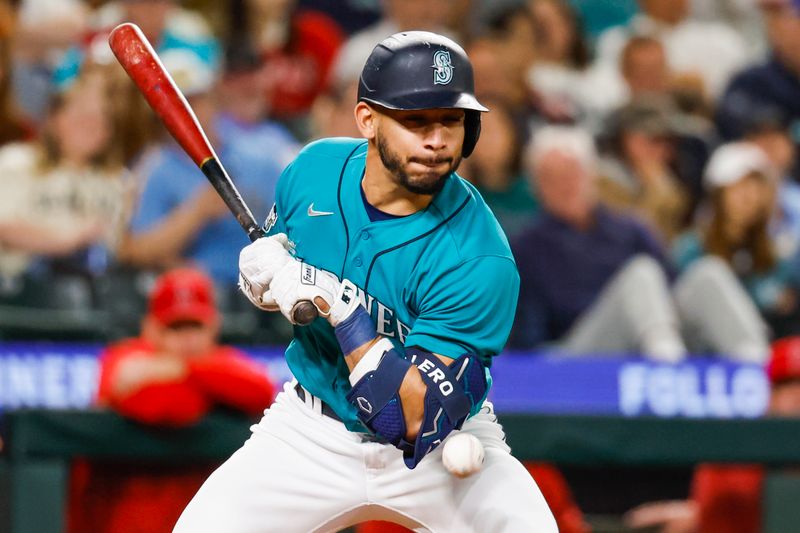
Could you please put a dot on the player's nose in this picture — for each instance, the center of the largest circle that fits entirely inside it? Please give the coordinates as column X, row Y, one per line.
column 436, row 136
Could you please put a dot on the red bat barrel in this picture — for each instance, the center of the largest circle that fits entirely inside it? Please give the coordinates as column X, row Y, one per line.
column 142, row 64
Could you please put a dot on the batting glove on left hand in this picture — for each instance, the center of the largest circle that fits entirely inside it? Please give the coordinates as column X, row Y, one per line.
column 298, row 281
column 259, row 261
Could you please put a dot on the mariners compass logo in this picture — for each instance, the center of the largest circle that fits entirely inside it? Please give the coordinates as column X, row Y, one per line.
column 442, row 68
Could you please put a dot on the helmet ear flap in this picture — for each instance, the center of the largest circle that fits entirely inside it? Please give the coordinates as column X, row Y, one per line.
column 472, row 130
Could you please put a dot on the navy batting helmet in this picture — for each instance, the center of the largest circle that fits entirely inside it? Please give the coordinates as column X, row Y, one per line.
column 422, row 70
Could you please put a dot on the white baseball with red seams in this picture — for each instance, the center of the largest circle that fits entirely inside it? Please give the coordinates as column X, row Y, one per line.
column 462, row 454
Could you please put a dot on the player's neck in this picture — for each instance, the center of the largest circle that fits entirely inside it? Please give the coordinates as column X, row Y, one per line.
column 384, row 193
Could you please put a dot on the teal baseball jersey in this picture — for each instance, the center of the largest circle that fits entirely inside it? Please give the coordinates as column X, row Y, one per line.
column 443, row 279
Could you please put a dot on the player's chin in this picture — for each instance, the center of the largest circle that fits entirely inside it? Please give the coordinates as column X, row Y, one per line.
column 426, row 183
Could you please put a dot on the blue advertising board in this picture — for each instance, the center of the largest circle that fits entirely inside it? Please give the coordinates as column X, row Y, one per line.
column 697, row 387
column 62, row 375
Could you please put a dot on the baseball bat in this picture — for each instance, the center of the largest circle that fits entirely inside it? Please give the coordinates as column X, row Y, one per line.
column 140, row 61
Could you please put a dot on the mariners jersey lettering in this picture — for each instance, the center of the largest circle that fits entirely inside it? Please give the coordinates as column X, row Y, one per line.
column 443, row 278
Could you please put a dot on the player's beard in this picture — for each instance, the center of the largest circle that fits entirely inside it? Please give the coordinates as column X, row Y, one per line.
column 428, row 183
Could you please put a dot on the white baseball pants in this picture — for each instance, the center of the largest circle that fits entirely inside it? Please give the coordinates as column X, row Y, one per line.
column 302, row 471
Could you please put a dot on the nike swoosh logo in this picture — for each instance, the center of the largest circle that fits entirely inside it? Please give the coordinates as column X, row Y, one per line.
column 313, row 213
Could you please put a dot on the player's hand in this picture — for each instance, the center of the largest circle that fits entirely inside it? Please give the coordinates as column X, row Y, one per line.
column 259, row 261
column 298, row 281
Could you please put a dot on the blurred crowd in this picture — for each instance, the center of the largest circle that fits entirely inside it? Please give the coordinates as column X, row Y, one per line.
column 640, row 156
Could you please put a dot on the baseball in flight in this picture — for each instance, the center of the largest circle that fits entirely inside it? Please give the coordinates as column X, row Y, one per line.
column 462, row 454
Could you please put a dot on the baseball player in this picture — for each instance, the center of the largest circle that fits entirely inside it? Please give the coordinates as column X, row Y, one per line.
column 416, row 289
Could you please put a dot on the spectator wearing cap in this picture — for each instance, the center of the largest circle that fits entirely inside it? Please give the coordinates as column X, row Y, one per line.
column 727, row 498
column 648, row 76
column 173, row 374
column 773, row 84
column 179, row 218
column 176, row 371
column 638, row 174
column 596, row 282
column 741, row 184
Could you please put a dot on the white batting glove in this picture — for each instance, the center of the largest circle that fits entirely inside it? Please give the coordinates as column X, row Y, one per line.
column 298, row 281
column 259, row 261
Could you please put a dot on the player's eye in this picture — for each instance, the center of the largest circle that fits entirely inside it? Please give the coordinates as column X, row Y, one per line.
column 415, row 120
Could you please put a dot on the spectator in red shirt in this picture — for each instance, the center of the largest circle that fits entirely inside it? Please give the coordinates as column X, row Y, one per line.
column 173, row 374
column 727, row 498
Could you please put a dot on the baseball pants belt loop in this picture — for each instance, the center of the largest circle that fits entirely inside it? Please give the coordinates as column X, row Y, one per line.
column 315, row 403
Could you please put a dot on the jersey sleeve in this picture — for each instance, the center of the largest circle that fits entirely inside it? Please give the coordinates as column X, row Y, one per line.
column 307, row 172
column 469, row 309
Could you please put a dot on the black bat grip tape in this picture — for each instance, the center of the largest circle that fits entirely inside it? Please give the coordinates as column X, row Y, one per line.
column 304, row 312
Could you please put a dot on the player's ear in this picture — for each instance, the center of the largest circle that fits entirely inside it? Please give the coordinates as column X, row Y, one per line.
column 365, row 120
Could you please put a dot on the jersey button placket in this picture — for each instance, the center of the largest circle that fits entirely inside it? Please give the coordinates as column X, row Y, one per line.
column 357, row 261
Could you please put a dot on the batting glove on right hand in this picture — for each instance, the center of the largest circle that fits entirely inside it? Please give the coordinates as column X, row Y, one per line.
column 298, row 281
column 259, row 261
